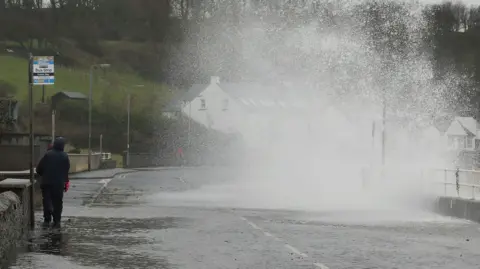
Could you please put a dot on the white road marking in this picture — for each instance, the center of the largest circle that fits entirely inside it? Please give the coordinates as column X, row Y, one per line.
column 94, row 197
column 287, row 246
column 296, row 251
column 321, row 266
column 267, row 234
column 182, row 180
column 254, row 226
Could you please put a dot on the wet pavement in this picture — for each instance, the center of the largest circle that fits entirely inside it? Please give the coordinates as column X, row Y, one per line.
column 99, row 174
column 147, row 220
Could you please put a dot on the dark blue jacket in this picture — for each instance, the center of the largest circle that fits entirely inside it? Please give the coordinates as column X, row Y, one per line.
column 54, row 165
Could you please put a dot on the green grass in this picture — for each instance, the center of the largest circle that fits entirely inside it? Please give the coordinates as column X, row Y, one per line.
column 13, row 70
column 119, row 159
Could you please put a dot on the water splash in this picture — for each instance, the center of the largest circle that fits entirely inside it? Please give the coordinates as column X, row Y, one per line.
column 341, row 68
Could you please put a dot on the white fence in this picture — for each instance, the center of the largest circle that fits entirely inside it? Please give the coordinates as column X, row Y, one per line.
column 456, row 182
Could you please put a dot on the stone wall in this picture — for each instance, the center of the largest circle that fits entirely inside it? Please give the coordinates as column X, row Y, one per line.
column 459, row 208
column 11, row 216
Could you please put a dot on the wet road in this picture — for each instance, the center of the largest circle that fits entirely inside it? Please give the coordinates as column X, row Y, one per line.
column 159, row 219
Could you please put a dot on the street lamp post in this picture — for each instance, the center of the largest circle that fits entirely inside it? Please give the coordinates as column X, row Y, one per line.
column 103, row 66
column 129, row 96
column 384, row 112
column 128, row 130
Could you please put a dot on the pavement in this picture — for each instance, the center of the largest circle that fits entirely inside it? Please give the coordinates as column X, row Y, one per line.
column 203, row 218
column 100, row 174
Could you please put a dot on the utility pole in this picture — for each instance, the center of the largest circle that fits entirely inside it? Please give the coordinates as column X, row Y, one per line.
column 384, row 128
column 53, row 124
column 90, row 120
column 43, row 94
column 101, row 144
column 128, row 129
column 129, row 112
column 189, row 124
column 32, row 143
column 103, row 66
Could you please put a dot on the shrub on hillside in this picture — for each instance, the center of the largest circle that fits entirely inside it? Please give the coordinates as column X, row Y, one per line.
column 7, row 89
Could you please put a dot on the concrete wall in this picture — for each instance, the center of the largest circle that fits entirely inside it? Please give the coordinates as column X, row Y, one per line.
column 10, row 224
column 16, row 157
column 459, row 208
column 79, row 162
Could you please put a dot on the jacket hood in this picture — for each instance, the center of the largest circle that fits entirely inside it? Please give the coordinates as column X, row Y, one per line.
column 59, row 144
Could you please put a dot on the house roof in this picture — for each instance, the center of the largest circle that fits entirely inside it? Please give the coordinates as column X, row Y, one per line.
column 457, row 127
column 468, row 123
column 255, row 96
column 251, row 96
column 71, row 95
column 67, row 95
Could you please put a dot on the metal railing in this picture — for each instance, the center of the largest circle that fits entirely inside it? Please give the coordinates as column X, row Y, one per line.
column 458, row 182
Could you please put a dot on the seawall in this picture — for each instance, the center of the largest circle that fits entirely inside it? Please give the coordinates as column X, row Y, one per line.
column 459, row 207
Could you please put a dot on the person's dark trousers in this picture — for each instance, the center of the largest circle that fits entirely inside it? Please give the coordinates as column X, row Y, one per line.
column 52, row 203
column 47, row 203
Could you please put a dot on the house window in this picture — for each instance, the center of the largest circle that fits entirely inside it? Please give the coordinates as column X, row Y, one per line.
column 225, row 104
column 460, row 143
column 469, row 142
column 203, row 104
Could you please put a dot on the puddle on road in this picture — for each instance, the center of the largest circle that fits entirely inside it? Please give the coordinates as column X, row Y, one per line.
column 120, row 197
column 98, row 243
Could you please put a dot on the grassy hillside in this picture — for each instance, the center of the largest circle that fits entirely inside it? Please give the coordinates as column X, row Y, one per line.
column 13, row 70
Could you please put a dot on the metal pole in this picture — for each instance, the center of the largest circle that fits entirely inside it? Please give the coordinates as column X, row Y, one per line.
column 128, row 130
column 383, row 128
column 43, row 94
column 53, row 125
column 445, row 183
column 90, row 120
column 101, row 144
column 189, row 122
column 32, row 152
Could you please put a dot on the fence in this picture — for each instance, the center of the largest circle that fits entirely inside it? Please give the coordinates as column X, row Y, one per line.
column 457, row 182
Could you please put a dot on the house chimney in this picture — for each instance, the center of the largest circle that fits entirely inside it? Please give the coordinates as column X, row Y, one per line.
column 214, row 80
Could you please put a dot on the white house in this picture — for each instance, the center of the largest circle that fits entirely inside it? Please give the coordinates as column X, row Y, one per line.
column 251, row 109
column 463, row 134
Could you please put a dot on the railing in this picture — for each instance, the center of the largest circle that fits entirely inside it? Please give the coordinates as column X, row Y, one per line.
column 458, row 182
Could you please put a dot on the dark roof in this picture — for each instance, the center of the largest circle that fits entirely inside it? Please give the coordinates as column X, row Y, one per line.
column 70, row 95
column 176, row 103
column 67, row 95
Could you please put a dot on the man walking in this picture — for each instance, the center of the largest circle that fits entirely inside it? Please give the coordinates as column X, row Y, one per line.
column 53, row 168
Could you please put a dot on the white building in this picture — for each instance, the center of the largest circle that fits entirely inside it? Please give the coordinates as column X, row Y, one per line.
column 463, row 134
column 248, row 108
